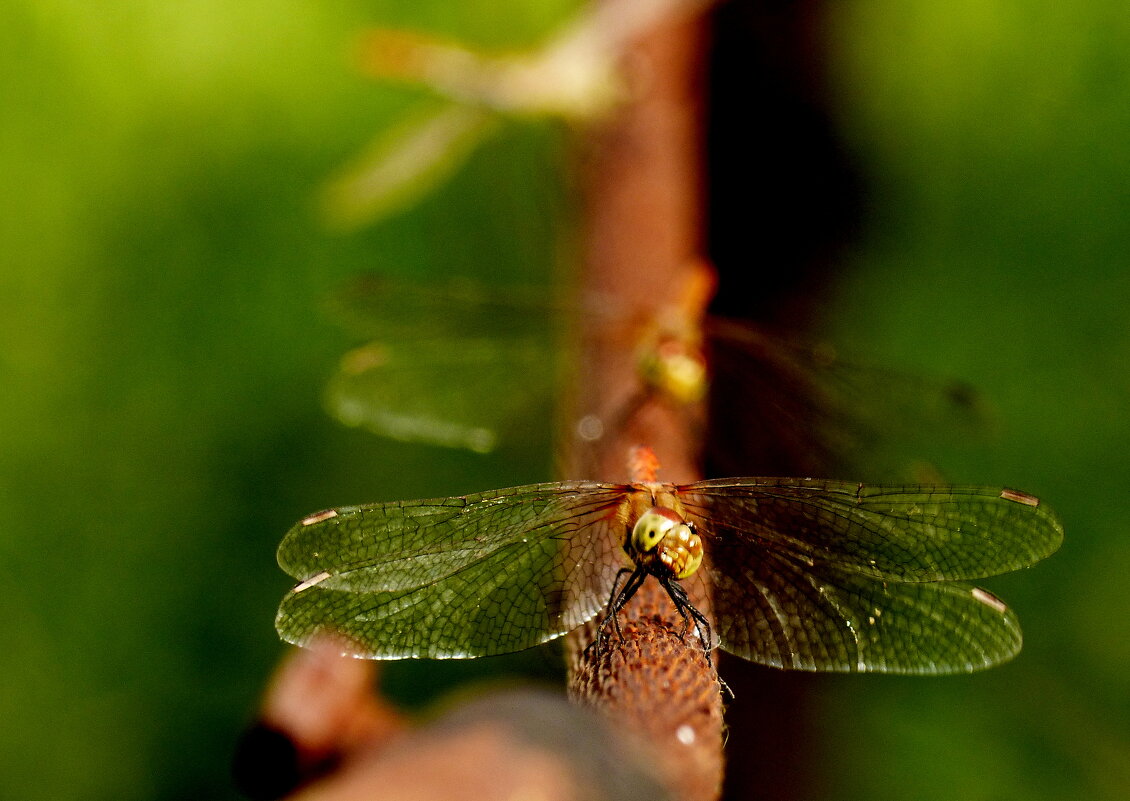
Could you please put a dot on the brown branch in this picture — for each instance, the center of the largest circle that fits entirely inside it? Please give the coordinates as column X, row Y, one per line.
column 643, row 211
column 325, row 734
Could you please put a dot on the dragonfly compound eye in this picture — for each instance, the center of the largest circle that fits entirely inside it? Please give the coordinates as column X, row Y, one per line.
column 662, row 539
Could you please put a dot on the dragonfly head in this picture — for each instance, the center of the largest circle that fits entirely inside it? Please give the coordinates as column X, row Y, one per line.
column 676, row 369
column 665, row 543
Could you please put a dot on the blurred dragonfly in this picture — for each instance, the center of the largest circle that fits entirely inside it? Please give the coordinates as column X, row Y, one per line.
column 463, row 365
column 804, row 574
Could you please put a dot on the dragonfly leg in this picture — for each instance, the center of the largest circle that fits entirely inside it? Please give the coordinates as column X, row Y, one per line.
column 617, row 600
column 602, row 629
column 688, row 612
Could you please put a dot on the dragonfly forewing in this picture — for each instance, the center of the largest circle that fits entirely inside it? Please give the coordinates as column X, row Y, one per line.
column 454, row 577
column 822, row 575
column 899, row 533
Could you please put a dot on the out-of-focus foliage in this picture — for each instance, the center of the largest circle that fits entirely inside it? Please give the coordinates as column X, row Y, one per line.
column 163, row 352
column 576, row 75
column 996, row 140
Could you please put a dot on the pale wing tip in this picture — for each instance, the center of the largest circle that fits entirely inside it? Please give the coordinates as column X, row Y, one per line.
column 311, row 582
column 1019, row 497
column 1054, row 528
column 1001, row 637
column 989, row 600
column 293, row 557
column 1009, row 644
column 317, row 517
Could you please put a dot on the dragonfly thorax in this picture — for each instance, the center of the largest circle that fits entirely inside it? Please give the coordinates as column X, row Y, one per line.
column 677, row 369
column 664, row 543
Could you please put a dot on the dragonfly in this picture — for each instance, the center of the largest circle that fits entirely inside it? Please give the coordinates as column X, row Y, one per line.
column 806, row 574
column 494, row 350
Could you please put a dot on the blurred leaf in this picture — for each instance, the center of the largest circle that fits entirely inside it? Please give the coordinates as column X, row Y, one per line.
column 405, row 163
column 574, row 76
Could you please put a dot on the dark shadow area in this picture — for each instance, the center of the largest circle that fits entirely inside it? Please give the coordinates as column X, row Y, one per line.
column 783, row 200
column 783, row 195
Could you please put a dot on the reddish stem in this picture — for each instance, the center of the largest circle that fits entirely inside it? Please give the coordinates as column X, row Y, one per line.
column 643, row 237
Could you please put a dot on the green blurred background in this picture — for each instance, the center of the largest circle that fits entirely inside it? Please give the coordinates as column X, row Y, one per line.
column 163, row 351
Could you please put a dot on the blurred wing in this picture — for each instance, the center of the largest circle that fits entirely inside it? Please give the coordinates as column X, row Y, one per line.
column 454, row 577
column 392, row 309
column 824, row 575
column 813, row 414
column 467, row 394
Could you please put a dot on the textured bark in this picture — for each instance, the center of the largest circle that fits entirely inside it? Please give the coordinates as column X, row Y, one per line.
column 642, row 237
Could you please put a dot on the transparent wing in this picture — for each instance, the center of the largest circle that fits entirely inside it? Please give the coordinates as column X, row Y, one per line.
column 468, row 394
column 454, row 577
column 898, row 533
column 803, row 410
column 826, row 575
column 792, row 616
column 395, row 309
column 456, row 364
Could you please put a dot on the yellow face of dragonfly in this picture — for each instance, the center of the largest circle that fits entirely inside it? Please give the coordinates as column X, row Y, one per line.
column 665, row 543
